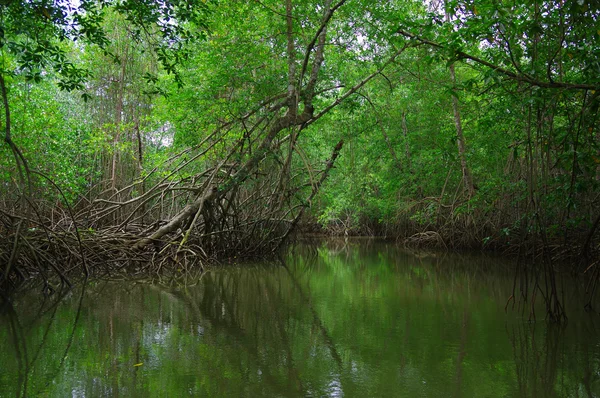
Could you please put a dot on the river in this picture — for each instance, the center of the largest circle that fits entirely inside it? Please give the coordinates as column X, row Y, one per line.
column 337, row 318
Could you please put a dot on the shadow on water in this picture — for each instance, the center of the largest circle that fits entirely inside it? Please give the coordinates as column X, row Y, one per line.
column 338, row 318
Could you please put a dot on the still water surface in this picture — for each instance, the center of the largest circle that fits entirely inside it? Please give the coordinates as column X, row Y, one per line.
column 354, row 319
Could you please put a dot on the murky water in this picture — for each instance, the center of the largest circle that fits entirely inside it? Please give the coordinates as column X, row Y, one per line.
column 362, row 319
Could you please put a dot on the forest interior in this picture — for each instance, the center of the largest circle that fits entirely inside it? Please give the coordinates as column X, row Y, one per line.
column 144, row 137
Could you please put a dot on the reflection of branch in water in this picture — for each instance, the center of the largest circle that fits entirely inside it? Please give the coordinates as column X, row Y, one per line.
column 590, row 374
column 520, row 351
column 72, row 335
column 53, row 307
column 462, row 352
column 44, row 337
column 536, row 363
column 307, row 264
column 224, row 289
column 316, row 319
column 292, row 371
column 138, row 343
column 304, row 248
column 229, row 327
column 18, row 339
column 337, row 246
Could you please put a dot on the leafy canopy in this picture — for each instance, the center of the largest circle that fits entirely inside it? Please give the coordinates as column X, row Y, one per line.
column 34, row 33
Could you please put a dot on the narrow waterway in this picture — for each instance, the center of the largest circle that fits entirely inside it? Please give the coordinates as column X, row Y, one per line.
column 356, row 319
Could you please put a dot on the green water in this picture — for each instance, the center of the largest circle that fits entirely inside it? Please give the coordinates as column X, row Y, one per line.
column 362, row 319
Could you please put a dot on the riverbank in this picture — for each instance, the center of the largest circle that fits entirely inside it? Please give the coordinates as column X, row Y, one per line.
column 579, row 253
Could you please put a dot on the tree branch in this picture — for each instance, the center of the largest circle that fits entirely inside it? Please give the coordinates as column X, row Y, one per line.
column 311, row 45
column 356, row 87
column 512, row 75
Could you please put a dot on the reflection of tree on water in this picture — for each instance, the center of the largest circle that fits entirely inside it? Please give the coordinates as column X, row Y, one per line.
column 19, row 344
column 264, row 312
column 20, row 336
column 217, row 306
column 250, row 321
column 540, row 354
column 317, row 321
column 535, row 361
column 462, row 352
column 358, row 322
column 591, row 377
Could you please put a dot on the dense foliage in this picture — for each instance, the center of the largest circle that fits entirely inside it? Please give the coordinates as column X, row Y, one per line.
column 464, row 124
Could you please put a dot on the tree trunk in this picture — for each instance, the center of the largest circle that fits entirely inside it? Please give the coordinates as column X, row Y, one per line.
column 460, row 139
column 406, row 146
column 118, row 118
